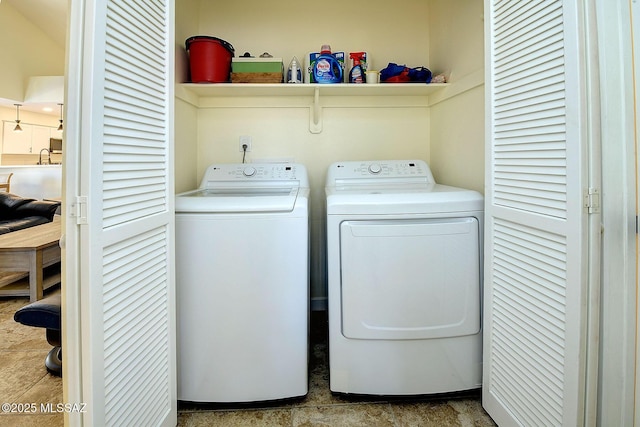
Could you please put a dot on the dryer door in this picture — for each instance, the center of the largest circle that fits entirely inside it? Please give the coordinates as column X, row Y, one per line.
column 410, row 279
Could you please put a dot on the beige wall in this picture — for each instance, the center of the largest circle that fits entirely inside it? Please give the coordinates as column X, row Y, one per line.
column 457, row 131
column 26, row 52
column 457, row 35
column 185, row 152
column 457, row 141
column 442, row 35
column 283, row 133
column 185, row 113
column 396, row 33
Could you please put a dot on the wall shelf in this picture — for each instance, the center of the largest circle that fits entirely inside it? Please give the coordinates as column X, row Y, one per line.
column 309, row 89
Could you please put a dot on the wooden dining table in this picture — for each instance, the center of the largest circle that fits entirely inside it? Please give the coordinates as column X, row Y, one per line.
column 27, row 253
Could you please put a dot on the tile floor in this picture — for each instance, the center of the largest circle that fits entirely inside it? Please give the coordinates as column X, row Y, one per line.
column 23, row 378
column 321, row 408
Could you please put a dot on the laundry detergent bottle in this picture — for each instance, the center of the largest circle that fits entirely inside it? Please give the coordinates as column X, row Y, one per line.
column 327, row 68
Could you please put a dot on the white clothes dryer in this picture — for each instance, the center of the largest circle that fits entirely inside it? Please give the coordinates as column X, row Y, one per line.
column 242, row 284
column 404, row 258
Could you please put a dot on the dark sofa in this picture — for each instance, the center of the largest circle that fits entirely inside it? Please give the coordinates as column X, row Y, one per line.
column 18, row 212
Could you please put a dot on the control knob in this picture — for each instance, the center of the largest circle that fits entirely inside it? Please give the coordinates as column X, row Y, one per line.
column 375, row 168
column 249, row 171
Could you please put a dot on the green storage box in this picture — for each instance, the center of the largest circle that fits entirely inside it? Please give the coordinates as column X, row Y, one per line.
column 256, row 65
column 256, row 70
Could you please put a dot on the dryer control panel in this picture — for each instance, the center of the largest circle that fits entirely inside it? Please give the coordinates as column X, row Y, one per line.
column 379, row 170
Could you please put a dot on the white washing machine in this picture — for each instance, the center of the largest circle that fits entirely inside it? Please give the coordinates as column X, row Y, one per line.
column 242, row 284
column 404, row 259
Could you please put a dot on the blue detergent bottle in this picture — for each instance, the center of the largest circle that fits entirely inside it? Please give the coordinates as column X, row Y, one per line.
column 327, row 68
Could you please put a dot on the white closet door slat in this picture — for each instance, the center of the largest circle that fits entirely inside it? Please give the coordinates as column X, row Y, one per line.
column 533, row 311
column 128, row 350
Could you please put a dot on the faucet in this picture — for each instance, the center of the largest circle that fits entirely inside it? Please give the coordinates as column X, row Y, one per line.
column 48, row 153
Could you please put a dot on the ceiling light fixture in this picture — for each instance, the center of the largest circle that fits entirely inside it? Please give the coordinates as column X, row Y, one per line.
column 60, row 127
column 17, row 128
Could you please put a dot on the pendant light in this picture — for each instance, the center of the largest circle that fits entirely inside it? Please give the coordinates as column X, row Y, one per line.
column 60, row 127
column 17, row 128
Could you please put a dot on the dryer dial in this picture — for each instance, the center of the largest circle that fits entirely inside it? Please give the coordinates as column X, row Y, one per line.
column 249, row 171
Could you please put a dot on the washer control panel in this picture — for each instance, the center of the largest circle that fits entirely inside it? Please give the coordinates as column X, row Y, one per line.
column 376, row 170
column 259, row 172
column 251, row 170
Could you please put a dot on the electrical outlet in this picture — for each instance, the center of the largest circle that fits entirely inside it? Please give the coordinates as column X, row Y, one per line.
column 244, row 140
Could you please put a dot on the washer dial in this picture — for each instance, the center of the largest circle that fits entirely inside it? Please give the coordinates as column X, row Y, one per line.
column 375, row 168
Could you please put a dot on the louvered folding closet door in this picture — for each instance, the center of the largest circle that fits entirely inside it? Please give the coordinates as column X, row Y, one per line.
column 126, row 176
column 535, row 220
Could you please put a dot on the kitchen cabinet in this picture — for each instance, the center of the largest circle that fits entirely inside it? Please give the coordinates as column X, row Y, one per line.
column 31, row 140
column 16, row 142
column 40, row 137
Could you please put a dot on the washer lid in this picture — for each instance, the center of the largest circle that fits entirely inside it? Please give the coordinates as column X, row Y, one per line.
column 238, row 199
column 246, row 187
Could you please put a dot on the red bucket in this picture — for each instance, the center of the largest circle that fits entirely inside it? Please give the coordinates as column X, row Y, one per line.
column 209, row 59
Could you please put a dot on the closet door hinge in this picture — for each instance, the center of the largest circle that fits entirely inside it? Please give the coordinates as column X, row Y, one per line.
column 591, row 200
column 79, row 209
